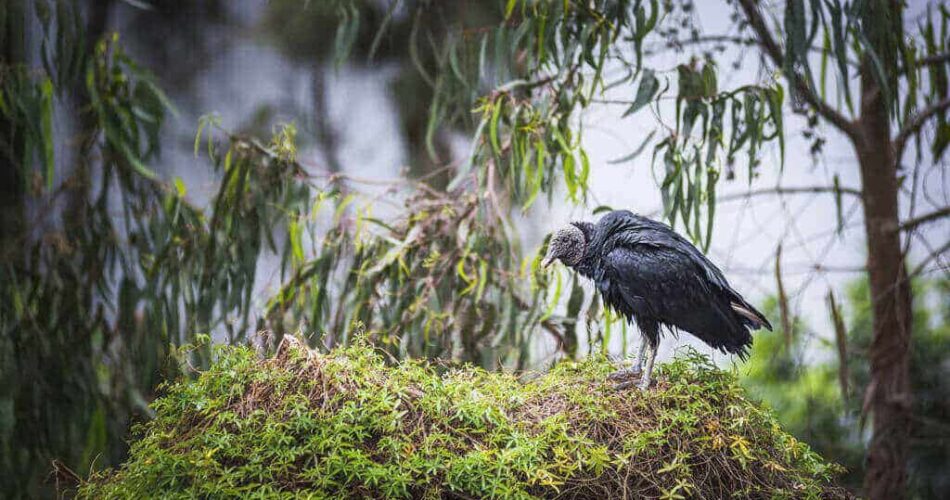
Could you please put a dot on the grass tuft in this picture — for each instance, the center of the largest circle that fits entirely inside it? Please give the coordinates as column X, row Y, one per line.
column 347, row 424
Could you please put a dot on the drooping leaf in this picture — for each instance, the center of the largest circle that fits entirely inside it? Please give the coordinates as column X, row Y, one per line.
column 46, row 119
column 636, row 152
column 649, row 85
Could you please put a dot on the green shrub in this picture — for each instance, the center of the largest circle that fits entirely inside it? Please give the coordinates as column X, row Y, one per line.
column 347, row 424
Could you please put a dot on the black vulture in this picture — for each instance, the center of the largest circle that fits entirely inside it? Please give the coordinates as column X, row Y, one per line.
column 654, row 277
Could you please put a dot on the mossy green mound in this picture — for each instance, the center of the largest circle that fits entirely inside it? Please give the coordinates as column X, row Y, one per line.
column 348, row 425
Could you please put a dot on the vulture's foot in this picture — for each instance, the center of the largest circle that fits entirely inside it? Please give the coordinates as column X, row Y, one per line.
column 622, row 386
column 627, row 378
column 625, row 374
column 643, row 384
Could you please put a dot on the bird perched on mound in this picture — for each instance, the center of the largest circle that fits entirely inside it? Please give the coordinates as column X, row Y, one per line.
column 654, row 277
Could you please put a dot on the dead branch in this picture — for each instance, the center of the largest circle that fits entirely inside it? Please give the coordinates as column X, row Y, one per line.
column 914, row 124
column 911, row 224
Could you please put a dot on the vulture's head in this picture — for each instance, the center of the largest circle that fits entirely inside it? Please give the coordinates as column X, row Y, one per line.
column 568, row 244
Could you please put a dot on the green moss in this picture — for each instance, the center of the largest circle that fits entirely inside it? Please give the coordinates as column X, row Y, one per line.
column 348, row 425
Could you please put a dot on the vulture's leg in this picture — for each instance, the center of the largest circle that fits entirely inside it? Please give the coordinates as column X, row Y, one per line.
column 635, row 368
column 647, row 376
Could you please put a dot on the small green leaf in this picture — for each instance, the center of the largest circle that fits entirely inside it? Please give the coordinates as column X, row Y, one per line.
column 201, row 125
column 775, row 97
column 825, row 51
column 137, row 164
column 552, row 304
column 712, row 176
column 585, row 170
column 482, row 279
column 294, row 234
column 839, row 212
column 180, row 187
column 649, row 85
column 570, row 175
column 510, row 7
column 46, row 119
column 493, row 126
column 710, row 86
column 636, row 152
column 941, row 140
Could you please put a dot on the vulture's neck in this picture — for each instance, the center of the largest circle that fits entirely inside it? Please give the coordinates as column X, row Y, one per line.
column 586, row 266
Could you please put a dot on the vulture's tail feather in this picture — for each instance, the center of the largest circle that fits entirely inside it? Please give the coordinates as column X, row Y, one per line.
column 755, row 317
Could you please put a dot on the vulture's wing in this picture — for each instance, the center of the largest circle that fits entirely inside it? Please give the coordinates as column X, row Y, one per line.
column 663, row 283
column 623, row 228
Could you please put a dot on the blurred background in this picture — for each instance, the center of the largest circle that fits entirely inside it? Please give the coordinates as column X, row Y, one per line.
column 325, row 110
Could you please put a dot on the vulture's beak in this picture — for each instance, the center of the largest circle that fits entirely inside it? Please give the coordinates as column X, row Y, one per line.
column 548, row 260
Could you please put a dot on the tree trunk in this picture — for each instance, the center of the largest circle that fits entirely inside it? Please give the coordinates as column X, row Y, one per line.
column 888, row 395
column 11, row 135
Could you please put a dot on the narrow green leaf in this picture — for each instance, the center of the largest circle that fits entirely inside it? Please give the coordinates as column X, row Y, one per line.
column 775, row 98
column 414, row 51
column 712, row 176
column 378, row 37
column 552, row 303
column 201, row 125
column 46, row 120
column 839, row 211
column 341, row 207
column 180, row 187
column 839, row 30
column 710, row 85
column 482, row 279
column 570, row 175
column 825, row 51
column 649, row 85
column 379, row 223
column 469, row 163
column 636, row 152
column 493, row 126
column 585, row 170
column 510, row 7
column 296, row 240
column 941, row 140
column 137, row 164
column 432, row 126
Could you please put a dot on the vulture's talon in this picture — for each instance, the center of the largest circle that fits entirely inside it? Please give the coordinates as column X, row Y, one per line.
column 625, row 374
column 622, row 386
column 628, row 384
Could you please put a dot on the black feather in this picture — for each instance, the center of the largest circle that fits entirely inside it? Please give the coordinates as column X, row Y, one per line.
column 655, row 277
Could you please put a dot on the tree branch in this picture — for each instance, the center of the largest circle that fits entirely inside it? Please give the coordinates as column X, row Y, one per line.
column 779, row 191
column 915, row 124
column 928, row 61
column 923, row 264
column 721, row 39
column 718, row 39
column 772, row 49
column 911, row 224
column 791, row 190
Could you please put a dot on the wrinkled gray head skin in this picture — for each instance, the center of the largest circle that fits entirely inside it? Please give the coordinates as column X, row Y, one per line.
column 568, row 245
